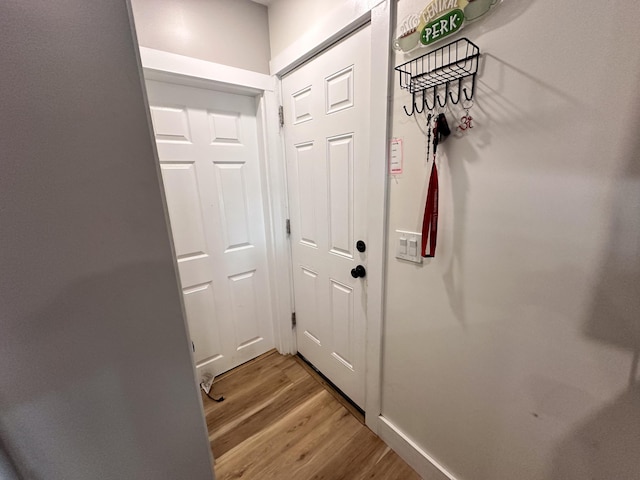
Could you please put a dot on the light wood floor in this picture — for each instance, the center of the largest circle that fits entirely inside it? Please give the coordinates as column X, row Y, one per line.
column 278, row 421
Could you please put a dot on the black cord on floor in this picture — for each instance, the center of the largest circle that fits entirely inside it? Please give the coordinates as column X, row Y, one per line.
column 214, row 399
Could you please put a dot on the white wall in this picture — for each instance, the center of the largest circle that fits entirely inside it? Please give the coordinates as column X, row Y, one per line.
column 513, row 354
column 302, row 28
column 96, row 376
column 229, row 32
column 291, row 19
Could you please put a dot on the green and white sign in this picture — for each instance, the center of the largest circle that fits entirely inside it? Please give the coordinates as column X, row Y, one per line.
column 442, row 26
column 438, row 20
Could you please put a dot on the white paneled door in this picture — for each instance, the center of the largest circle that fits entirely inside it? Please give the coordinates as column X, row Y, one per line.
column 208, row 149
column 326, row 109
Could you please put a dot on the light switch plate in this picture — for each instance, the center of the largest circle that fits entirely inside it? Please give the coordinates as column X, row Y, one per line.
column 404, row 240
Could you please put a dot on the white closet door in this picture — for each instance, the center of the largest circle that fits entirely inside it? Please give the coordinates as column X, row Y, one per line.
column 208, row 149
column 326, row 108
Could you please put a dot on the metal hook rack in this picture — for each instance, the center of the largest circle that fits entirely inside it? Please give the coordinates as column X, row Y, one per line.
column 443, row 66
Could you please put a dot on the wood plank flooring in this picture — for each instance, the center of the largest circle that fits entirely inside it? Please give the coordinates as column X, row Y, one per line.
column 278, row 421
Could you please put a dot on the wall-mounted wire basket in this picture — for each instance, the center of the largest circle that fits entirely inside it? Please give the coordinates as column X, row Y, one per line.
column 443, row 66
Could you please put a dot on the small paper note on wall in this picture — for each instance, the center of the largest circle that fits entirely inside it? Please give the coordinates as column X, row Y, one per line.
column 395, row 156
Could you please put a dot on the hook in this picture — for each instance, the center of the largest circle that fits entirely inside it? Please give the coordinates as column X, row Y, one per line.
column 413, row 107
column 416, row 106
column 446, row 93
column 431, row 107
column 473, row 88
column 455, row 102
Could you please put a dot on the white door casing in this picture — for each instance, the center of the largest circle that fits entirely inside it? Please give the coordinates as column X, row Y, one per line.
column 208, row 150
column 326, row 109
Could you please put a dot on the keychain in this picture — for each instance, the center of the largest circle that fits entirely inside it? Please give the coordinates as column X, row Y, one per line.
column 440, row 132
column 428, row 134
column 466, row 119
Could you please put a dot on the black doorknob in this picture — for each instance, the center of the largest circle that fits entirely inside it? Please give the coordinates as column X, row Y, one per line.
column 358, row 272
column 361, row 246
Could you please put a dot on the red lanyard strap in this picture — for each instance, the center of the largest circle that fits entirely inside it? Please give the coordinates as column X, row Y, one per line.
column 430, row 220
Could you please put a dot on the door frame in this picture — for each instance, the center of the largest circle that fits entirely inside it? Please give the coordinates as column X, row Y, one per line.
column 178, row 69
column 380, row 14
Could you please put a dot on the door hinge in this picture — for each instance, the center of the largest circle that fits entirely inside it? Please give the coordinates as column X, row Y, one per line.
column 293, row 319
column 288, row 227
column 281, row 115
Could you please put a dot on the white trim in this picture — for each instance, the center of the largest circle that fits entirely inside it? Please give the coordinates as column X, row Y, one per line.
column 381, row 16
column 276, row 213
column 336, row 25
column 178, row 65
column 169, row 67
column 423, row 463
column 285, row 248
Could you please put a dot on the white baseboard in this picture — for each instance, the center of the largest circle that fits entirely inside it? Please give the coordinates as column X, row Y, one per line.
column 425, row 465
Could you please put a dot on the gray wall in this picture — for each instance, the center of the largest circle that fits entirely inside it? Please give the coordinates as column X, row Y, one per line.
column 96, row 377
column 514, row 353
column 229, row 32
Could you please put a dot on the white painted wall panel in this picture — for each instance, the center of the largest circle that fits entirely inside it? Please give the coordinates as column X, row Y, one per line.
column 291, row 19
column 96, row 372
column 513, row 354
column 229, row 32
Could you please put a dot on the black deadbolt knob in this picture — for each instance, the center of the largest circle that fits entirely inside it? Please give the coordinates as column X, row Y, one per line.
column 358, row 272
column 361, row 246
